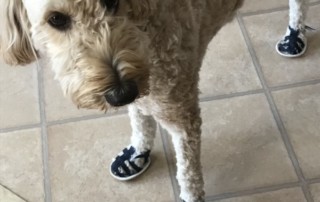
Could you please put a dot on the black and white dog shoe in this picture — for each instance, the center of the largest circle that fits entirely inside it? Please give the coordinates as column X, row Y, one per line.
column 293, row 44
column 129, row 164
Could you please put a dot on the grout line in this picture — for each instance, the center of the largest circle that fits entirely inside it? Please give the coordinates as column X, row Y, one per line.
column 172, row 168
column 123, row 112
column 253, row 191
column 313, row 181
column 271, row 10
column 44, row 135
column 313, row 3
column 252, row 52
column 18, row 128
column 231, row 95
column 203, row 99
column 265, row 11
column 276, row 114
column 14, row 193
column 86, row 118
column 260, row 91
column 294, row 85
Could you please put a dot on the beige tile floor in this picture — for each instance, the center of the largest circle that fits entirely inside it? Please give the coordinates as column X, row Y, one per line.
column 261, row 132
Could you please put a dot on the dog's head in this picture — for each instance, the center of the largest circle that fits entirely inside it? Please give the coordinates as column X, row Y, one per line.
column 98, row 49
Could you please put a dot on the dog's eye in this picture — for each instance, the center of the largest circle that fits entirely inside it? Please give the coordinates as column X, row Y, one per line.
column 112, row 5
column 59, row 21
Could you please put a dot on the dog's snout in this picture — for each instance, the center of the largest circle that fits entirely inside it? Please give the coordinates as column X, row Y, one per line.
column 123, row 93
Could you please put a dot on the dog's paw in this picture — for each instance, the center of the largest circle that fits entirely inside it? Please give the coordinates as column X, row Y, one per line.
column 129, row 164
column 293, row 44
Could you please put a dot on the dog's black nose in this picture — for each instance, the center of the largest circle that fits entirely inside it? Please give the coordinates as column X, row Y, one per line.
column 122, row 94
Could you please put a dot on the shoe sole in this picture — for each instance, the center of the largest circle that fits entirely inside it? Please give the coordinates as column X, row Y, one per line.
column 132, row 176
column 291, row 56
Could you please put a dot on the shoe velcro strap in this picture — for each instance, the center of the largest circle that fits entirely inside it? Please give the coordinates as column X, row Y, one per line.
column 135, row 167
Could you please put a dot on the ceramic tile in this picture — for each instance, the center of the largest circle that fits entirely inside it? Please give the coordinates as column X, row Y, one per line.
column 21, row 167
column 300, row 112
column 286, row 195
column 265, row 33
column 18, row 96
column 241, row 146
column 80, row 154
column 315, row 190
column 258, row 5
column 228, row 70
column 7, row 196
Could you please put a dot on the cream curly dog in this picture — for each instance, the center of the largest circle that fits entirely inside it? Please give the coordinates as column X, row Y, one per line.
column 142, row 53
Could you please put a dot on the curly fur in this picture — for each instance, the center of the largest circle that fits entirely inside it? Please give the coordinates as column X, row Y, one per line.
column 158, row 44
column 297, row 14
column 15, row 46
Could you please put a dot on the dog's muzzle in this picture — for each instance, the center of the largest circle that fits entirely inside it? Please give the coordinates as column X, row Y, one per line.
column 122, row 94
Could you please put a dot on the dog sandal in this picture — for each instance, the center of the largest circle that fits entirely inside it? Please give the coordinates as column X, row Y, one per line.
column 129, row 164
column 294, row 43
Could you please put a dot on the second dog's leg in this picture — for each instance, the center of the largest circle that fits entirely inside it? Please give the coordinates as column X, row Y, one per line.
column 294, row 43
column 134, row 159
column 297, row 13
column 186, row 135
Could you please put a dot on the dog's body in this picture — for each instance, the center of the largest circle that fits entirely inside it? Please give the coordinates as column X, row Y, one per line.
column 173, row 99
column 146, row 53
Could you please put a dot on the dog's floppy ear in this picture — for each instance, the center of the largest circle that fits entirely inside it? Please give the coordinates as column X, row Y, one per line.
column 15, row 44
column 142, row 8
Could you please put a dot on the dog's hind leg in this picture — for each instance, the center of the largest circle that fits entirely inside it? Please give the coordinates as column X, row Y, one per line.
column 294, row 43
column 134, row 159
column 184, row 125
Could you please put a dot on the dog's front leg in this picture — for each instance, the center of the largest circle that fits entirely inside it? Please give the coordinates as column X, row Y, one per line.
column 143, row 130
column 134, row 159
column 185, row 127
